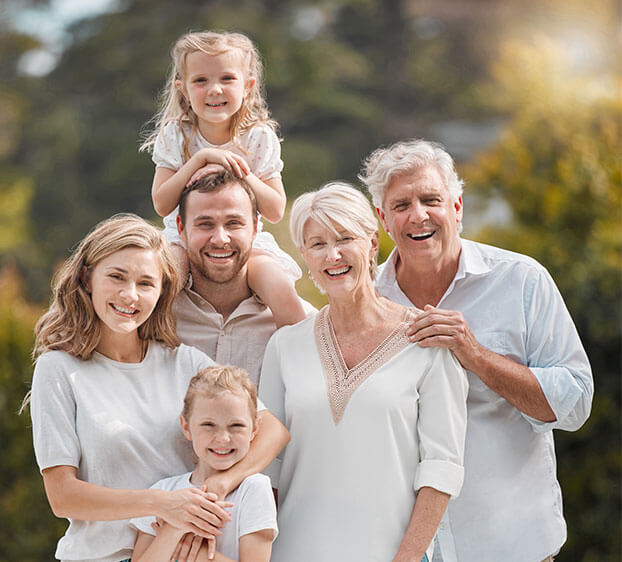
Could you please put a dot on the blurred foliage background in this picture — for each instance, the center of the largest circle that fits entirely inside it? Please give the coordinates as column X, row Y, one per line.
column 525, row 95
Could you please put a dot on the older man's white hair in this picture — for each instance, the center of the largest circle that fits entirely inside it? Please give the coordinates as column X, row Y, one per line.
column 386, row 162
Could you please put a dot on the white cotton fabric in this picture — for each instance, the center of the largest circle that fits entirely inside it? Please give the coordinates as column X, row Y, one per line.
column 118, row 424
column 510, row 507
column 261, row 149
column 346, row 490
column 253, row 510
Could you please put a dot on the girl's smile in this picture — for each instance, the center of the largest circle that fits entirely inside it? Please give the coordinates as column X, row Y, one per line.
column 215, row 86
column 221, row 430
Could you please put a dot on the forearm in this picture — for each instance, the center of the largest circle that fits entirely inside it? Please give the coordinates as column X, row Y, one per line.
column 73, row 498
column 513, row 381
column 267, row 444
column 169, row 184
column 426, row 516
column 158, row 548
column 270, row 197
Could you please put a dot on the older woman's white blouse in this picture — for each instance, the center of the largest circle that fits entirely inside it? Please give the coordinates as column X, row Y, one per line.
column 347, row 487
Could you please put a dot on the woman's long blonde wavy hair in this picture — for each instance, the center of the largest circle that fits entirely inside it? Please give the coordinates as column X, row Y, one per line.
column 174, row 105
column 71, row 324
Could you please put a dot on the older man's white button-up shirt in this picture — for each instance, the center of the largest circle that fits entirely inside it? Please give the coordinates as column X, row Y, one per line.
column 510, row 508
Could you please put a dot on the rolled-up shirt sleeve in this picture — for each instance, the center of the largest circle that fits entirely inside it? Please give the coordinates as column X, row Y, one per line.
column 272, row 394
column 556, row 356
column 441, row 424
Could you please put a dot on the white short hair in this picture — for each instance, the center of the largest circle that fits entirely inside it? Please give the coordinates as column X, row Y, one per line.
column 382, row 164
column 334, row 203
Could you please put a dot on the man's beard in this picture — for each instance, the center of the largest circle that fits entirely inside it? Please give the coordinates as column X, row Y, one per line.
column 212, row 273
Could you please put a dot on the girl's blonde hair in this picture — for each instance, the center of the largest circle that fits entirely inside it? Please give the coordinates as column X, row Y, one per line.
column 175, row 107
column 215, row 380
column 71, row 324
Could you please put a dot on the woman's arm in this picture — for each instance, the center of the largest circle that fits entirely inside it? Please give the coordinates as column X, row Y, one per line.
column 271, row 437
column 189, row 509
column 427, row 513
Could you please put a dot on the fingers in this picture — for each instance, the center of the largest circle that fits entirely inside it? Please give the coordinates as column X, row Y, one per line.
column 204, row 171
column 211, row 548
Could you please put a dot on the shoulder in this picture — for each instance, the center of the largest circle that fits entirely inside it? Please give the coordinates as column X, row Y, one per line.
column 296, row 332
column 173, row 482
column 182, row 354
column 57, row 364
column 500, row 259
column 254, row 482
column 258, row 135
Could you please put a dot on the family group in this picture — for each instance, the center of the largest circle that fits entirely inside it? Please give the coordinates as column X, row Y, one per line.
column 182, row 389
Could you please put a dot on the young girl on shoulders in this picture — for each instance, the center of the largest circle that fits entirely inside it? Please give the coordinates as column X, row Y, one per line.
column 219, row 417
column 214, row 115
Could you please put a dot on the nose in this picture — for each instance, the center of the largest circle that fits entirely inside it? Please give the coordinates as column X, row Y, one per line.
column 220, row 236
column 130, row 291
column 222, row 436
column 418, row 212
column 214, row 89
column 333, row 253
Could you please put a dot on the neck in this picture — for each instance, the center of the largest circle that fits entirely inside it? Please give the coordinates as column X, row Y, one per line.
column 224, row 297
column 363, row 308
column 125, row 348
column 218, row 133
column 201, row 473
column 425, row 283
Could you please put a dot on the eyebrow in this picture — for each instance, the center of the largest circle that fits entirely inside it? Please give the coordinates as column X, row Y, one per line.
column 126, row 272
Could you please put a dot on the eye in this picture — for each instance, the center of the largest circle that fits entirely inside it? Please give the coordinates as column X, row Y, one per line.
column 147, row 284
column 401, row 206
column 115, row 276
column 238, row 425
column 207, row 424
column 229, row 77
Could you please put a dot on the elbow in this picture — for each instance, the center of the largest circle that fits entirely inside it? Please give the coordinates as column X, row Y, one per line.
column 161, row 209
column 59, row 505
column 274, row 215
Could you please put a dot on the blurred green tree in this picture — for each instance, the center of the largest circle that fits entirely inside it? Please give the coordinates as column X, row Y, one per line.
column 558, row 168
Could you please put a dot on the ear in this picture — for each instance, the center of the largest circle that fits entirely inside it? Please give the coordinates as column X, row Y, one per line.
column 458, row 209
column 375, row 245
column 256, row 427
column 383, row 220
column 85, row 279
column 180, row 225
column 185, row 428
column 249, row 85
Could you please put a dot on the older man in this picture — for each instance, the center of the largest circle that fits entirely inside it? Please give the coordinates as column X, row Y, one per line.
column 504, row 319
column 216, row 311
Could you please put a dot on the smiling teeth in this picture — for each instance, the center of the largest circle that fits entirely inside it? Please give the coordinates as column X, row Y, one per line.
column 222, row 452
column 220, row 255
column 340, row 271
column 217, row 104
column 421, row 236
column 124, row 310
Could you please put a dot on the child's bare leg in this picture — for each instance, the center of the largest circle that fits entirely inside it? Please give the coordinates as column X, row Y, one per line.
column 182, row 265
column 274, row 287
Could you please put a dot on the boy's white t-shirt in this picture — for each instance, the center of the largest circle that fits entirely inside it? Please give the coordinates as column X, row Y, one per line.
column 253, row 510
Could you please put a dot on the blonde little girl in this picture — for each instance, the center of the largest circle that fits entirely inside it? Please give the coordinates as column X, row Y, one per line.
column 220, row 418
column 214, row 115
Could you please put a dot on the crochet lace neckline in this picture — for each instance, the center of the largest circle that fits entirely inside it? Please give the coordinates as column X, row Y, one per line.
column 341, row 381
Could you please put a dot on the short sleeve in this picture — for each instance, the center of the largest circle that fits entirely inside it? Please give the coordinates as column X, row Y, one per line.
column 441, row 426
column 257, row 507
column 167, row 151
column 272, row 394
column 264, row 153
column 53, row 412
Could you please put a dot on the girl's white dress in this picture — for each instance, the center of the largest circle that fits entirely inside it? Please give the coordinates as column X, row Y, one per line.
column 363, row 440
column 261, row 149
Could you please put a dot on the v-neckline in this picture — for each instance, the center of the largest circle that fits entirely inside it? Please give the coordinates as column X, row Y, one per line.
column 342, row 381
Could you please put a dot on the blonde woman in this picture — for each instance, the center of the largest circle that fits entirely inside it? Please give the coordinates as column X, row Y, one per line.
column 107, row 391
column 377, row 423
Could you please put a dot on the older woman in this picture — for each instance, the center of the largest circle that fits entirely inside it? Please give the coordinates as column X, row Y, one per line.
column 107, row 392
column 377, row 423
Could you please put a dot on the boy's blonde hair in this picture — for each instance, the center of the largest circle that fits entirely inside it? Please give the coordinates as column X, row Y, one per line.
column 215, row 380
column 175, row 107
column 71, row 323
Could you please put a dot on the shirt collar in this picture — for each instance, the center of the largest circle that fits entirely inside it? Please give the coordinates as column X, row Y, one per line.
column 250, row 305
column 470, row 263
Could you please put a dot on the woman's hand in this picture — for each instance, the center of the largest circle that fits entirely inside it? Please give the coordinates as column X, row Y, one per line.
column 195, row 511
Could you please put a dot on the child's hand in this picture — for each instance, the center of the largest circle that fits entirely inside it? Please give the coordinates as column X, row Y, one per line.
column 187, row 548
column 204, row 171
column 229, row 160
